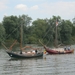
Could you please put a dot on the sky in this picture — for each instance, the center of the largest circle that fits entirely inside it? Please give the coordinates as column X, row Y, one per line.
column 38, row 8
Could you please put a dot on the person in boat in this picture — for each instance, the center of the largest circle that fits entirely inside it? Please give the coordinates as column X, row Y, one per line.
column 65, row 48
column 20, row 51
column 68, row 48
column 36, row 50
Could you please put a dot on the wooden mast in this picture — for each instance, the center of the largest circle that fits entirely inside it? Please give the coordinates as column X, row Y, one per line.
column 56, row 40
column 21, row 36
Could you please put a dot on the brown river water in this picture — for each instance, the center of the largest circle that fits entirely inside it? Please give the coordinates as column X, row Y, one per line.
column 47, row 65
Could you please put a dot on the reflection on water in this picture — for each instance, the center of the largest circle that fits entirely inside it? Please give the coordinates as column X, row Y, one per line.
column 48, row 65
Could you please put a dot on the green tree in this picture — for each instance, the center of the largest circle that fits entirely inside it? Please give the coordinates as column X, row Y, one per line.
column 2, row 33
column 11, row 25
column 73, row 31
column 43, row 29
column 38, row 29
column 66, row 31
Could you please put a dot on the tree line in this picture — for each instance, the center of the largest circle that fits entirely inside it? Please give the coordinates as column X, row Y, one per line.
column 43, row 29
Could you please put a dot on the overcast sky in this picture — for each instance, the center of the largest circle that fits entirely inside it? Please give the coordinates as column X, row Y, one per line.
column 38, row 8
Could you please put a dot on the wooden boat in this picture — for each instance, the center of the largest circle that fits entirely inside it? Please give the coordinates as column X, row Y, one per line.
column 22, row 54
column 57, row 50
column 25, row 55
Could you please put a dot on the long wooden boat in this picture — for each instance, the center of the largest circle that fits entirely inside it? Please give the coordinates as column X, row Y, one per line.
column 56, row 51
column 52, row 51
column 34, row 53
column 21, row 54
column 24, row 55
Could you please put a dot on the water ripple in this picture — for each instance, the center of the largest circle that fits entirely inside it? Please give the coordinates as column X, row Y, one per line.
column 48, row 65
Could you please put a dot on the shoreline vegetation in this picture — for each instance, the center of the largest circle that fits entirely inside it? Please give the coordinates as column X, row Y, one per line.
column 43, row 29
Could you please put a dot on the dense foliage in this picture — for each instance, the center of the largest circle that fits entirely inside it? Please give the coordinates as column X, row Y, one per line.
column 2, row 33
column 43, row 29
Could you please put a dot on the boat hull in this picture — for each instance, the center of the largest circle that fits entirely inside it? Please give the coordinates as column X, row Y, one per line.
column 18, row 55
column 50, row 51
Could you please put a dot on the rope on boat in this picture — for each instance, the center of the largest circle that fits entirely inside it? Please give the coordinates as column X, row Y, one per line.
column 4, row 46
column 12, row 31
column 12, row 45
column 41, row 43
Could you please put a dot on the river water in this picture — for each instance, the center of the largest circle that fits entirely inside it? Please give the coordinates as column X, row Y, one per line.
column 48, row 65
